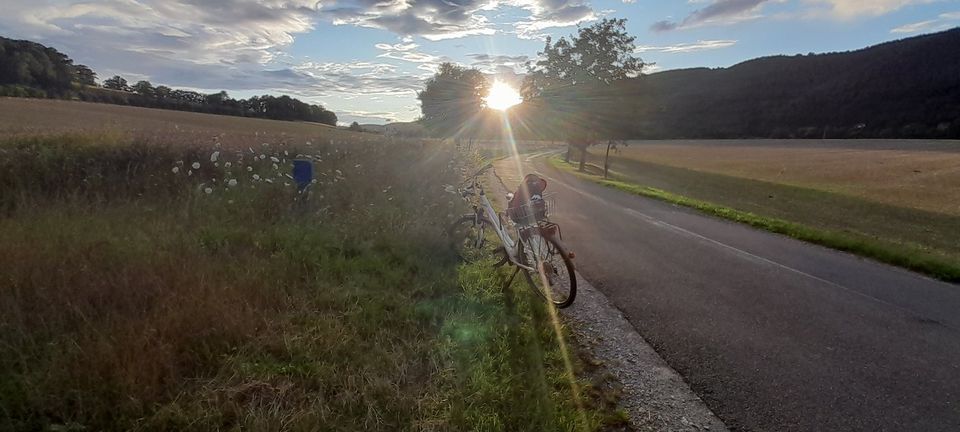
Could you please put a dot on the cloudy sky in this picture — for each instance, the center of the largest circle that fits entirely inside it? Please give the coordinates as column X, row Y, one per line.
column 365, row 59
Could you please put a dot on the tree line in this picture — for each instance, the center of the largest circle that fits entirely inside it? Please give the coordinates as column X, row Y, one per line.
column 589, row 88
column 29, row 69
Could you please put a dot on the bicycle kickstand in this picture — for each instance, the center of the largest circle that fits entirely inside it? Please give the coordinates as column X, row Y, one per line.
column 510, row 281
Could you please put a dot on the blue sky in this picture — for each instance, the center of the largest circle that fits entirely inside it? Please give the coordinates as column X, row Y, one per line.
column 365, row 59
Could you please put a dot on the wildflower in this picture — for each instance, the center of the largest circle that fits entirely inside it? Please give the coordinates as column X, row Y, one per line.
column 196, row 165
column 251, row 150
column 286, row 153
column 227, row 164
column 276, row 167
column 232, row 182
column 189, row 172
column 216, row 164
column 289, row 176
column 215, row 156
column 274, row 159
column 263, row 156
column 176, row 170
column 268, row 181
column 249, row 168
column 286, row 184
column 357, row 166
column 208, row 191
column 339, row 173
column 256, row 177
column 179, row 163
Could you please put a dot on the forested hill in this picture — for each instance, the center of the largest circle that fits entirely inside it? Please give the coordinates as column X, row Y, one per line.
column 29, row 69
column 908, row 88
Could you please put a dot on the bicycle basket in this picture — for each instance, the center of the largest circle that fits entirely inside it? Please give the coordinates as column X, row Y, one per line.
column 533, row 211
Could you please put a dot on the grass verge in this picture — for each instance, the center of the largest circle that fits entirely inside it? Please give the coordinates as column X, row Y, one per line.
column 907, row 256
column 180, row 288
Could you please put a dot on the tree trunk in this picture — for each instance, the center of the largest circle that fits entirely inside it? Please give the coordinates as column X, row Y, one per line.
column 606, row 159
column 583, row 158
column 566, row 157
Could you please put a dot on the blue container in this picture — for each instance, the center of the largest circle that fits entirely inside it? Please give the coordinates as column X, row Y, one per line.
column 302, row 173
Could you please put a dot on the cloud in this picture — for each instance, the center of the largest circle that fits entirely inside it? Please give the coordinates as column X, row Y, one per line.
column 717, row 12
column 702, row 45
column 499, row 64
column 545, row 14
column 851, row 9
column 941, row 22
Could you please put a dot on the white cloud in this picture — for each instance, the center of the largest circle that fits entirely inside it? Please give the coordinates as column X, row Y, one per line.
column 850, row 9
column 702, row 45
column 941, row 22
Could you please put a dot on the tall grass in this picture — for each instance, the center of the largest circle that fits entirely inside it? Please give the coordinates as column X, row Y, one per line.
column 137, row 297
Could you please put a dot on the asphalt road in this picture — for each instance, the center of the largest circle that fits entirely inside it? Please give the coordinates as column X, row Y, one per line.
column 774, row 334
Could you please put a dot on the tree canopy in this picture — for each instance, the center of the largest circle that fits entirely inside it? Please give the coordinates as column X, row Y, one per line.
column 452, row 99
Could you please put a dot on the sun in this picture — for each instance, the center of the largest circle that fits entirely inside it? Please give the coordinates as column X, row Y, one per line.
column 502, row 96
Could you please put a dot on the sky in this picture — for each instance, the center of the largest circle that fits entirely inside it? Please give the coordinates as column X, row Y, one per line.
column 366, row 59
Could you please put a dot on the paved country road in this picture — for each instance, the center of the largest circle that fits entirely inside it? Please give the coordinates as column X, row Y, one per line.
column 774, row 334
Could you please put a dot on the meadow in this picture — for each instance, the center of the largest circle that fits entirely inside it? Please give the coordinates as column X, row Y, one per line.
column 902, row 197
column 160, row 272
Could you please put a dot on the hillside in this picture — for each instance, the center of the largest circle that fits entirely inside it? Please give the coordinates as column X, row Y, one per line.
column 908, row 88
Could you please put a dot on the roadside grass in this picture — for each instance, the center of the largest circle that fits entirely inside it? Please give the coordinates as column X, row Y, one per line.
column 137, row 298
column 910, row 256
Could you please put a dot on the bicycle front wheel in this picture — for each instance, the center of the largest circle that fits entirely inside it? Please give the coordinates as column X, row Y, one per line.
column 472, row 238
column 553, row 275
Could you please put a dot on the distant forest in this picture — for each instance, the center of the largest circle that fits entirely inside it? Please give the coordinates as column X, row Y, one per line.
column 29, row 69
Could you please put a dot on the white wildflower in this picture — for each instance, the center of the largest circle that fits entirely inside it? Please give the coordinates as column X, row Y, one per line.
column 256, row 177
column 263, row 156
column 189, row 172
column 249, row 168
column 227, row 164
column 208, row 191
column 176, row 170
column 286, row 153
column 215, row 156
column 274, row 159
column 357, row 166
column 268, row 181
column 232, row 182
column 179, row 163
column 289, row 176
column 276, row 167
column 196, row 165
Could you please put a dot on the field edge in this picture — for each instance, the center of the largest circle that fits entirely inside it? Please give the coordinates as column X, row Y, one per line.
column 913, row 258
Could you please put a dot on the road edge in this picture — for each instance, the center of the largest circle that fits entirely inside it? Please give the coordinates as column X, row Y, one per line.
column 654, row 395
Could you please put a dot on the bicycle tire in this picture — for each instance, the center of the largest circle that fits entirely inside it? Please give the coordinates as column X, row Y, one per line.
column 459, row 243
column 560, row 296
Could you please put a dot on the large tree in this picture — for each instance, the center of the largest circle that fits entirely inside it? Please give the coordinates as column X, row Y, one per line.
column 452, row 99
column 572, row 83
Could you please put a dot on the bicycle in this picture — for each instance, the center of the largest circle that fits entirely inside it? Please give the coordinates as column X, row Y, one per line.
column 537, row 250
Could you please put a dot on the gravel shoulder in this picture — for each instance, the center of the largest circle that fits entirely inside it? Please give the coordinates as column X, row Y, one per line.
column 653, row 394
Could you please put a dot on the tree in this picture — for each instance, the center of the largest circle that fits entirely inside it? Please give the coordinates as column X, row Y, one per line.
column 573, row 82
column 145, row 89
column 451, row 98
column 355, row 127
column 83, row 75
column 117, row 82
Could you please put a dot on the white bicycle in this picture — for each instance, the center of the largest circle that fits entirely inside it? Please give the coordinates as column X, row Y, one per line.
column 537, row 250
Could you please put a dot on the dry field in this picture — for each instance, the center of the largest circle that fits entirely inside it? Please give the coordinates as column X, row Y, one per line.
column 922, row 175
column 160, row 273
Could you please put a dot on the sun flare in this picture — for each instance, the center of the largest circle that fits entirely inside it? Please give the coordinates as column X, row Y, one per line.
column 502, row 96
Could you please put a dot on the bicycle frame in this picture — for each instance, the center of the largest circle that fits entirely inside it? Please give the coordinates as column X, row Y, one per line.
column 510, row 246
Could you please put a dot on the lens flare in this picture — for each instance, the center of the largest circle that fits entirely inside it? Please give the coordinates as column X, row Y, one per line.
column 502, row 96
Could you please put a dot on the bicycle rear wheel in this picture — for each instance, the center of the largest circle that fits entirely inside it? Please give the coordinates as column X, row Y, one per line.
column 472, row 238
column 554, row 277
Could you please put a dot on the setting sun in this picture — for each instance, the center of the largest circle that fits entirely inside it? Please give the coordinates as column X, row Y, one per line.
column 502, row 96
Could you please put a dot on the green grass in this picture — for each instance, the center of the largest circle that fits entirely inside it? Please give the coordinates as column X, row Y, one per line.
column 908, row 256
column 132, row 299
